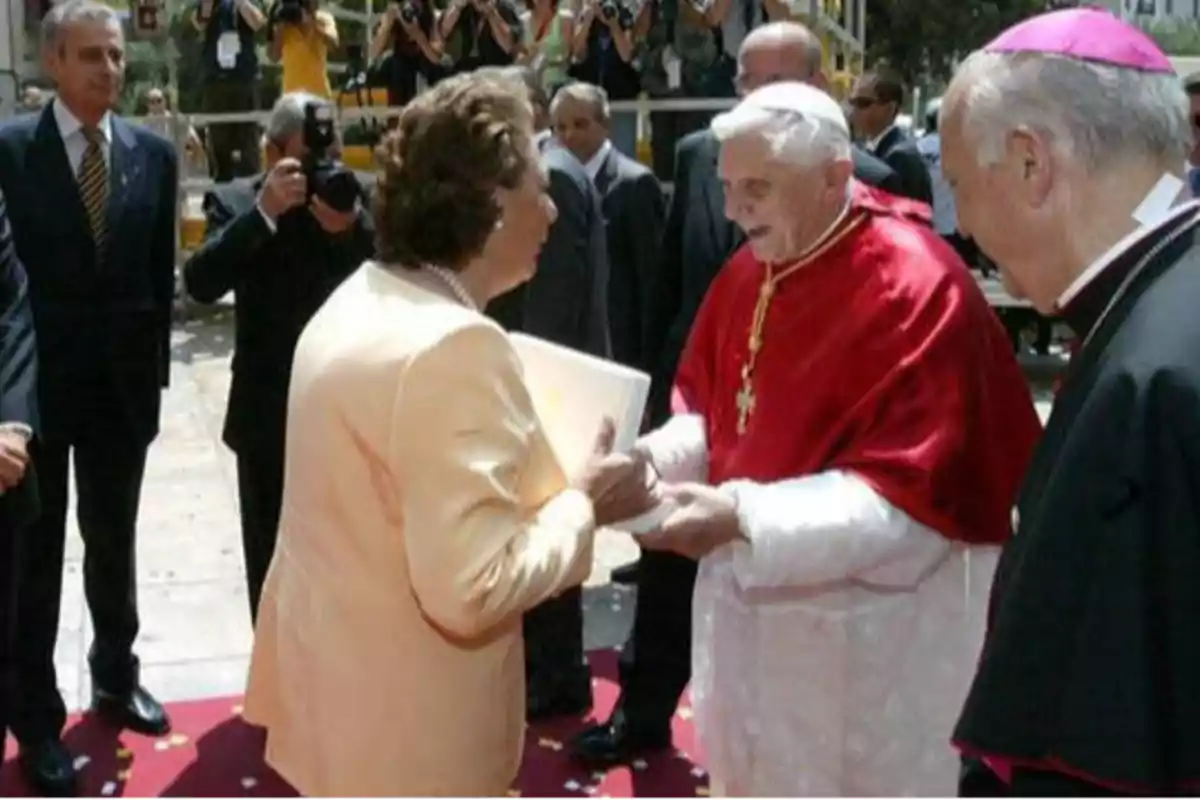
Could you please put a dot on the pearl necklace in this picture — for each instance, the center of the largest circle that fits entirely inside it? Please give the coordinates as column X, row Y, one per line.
column 454, row 285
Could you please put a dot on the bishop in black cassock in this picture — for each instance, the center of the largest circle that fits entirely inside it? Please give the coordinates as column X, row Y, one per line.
column 1089, row 680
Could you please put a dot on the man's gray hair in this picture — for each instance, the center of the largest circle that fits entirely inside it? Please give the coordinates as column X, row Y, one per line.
column 287, row 117
column 1092, row 113
column 69, row 12
column 792, row 137
column 588, row 93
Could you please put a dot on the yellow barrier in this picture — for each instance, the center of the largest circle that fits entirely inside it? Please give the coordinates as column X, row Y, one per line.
column 359, row 157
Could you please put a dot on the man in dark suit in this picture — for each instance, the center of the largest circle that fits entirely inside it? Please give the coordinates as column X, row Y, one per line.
column 18, row 421
column 697, row 241
column 874, row 105
column 634, row 209
column 92, row 202
column 281, row 251
column 566, row 302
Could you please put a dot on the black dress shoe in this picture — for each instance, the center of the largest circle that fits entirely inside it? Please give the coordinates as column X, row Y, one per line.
column 137, row 711
column 548, row 699
column 625, row 574
column 49, row 768
column 616, row 742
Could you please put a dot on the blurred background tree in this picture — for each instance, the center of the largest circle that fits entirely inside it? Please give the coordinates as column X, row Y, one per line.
column 923, row 39
column 1175, row 37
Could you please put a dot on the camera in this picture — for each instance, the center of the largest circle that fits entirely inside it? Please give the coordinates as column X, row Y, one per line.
column 328, row 178
column 609, row 9
column 409, row 11
column 290, row 11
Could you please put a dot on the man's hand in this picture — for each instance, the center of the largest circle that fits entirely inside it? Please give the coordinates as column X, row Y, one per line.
column 284, row 189
column 332, row 220
column 702, row 519
column 14, row 459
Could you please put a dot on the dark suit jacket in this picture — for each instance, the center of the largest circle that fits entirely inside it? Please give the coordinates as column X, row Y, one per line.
column 634, row 211
column 103, row 332
column 18, row 379
column 901, row 154
column 566, row 301
column 697, row 241
column 18, row 403
column 279, row 280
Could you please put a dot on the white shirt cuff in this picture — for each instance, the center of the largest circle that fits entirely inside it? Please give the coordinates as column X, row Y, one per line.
column 679, row 449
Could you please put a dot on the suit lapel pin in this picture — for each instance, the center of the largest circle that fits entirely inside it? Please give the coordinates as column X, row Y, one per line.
column 1014, row 518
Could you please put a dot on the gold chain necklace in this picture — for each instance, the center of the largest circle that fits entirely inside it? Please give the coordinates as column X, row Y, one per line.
column 746, row 398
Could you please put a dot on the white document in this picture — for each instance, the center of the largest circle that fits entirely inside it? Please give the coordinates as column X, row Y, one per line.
column 673, row 67
column 573, row 392
column 229, row 47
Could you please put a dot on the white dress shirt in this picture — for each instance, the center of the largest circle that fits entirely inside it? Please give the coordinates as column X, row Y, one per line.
column 594, row 163
column 874, row 142
column 75, row 143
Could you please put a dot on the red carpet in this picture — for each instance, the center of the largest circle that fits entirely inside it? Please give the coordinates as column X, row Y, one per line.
column 213, row 753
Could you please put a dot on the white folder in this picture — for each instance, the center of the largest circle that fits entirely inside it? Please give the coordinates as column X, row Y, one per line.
column 573, row 392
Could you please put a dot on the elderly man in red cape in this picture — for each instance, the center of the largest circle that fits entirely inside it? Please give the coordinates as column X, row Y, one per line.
column 850, row 429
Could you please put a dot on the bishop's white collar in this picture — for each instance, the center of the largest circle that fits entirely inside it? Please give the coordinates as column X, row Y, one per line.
column 1157, row 208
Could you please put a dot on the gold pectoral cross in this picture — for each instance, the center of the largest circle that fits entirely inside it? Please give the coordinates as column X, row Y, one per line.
column 746, row 399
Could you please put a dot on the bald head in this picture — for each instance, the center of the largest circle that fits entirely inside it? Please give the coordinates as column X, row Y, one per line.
column 779, row 51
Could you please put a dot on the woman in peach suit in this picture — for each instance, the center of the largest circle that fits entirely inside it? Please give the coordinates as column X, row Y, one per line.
column 424, row 510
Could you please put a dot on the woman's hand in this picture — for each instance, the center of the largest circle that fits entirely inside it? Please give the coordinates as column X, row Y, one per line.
column 621, row 485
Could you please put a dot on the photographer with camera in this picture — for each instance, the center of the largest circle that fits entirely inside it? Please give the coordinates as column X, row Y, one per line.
column 606, row 39
column 229, row 60
column 300, row 37
column 409, row 31
column 549, row 30
column 484, row 33
column 281, row 242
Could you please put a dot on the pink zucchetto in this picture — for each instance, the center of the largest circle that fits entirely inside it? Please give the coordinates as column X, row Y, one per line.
column 1088, row 34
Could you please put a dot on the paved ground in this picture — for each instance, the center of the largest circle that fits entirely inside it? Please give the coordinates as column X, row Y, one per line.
column 195, row 638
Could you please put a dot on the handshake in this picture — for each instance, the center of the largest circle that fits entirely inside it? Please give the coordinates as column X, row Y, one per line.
column 622, row 486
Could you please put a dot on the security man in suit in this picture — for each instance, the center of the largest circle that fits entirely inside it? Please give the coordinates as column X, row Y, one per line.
column 18, row 421
column 874, row 105
column 634, row 211
column 697, row 241
column 282, row 251
column 566, row 302
column 92, row 200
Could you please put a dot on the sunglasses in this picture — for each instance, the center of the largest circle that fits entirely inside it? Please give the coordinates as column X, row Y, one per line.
column 862, row 102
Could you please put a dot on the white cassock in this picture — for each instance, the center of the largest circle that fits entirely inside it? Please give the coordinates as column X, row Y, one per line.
column 831, row 653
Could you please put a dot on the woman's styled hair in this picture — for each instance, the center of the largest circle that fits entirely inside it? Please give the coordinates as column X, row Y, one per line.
column 454, row 147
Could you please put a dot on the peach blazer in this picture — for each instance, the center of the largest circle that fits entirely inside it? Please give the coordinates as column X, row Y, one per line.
column 423, row 512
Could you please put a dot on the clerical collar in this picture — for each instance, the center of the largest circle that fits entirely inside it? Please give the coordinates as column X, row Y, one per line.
column 1155, row 211
column 1090, row 294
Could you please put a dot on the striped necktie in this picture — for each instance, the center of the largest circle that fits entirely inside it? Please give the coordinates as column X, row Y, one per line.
column 93, row 188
